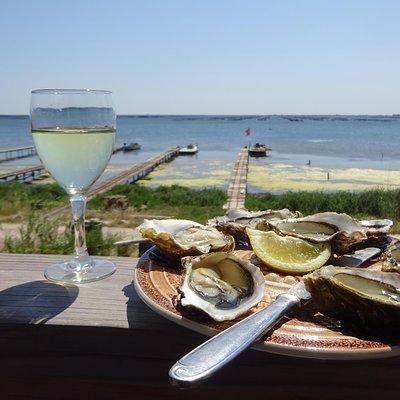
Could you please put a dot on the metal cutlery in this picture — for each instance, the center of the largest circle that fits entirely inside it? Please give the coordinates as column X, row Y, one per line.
column 202, row 362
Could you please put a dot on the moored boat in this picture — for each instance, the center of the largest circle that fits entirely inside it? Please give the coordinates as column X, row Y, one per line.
column 259, row 150
column 189, row 149
column 131, row 146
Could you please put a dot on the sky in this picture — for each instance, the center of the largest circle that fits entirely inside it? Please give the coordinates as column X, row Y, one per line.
column 206, row 57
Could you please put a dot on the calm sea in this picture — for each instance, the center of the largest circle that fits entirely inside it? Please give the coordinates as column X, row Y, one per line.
column 328, row 141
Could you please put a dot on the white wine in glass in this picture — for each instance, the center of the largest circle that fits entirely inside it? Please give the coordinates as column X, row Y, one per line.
column 67, row 152
column 74, row 135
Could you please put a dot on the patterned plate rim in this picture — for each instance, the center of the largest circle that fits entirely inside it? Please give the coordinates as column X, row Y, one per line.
column 275, row 348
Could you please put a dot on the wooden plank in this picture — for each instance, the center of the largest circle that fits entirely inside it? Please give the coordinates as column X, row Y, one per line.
column 16, row 152
column 17, row 149
column 238, row 182
column 25, row 297
column 23, row 173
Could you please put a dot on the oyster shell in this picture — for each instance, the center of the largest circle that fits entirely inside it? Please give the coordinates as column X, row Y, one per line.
column 317, row 232
column 341, row 230
column 392, row 262
column 360, row 299
column 221, row 285
column 183, row 238
column 378, row 225
column 235, row 221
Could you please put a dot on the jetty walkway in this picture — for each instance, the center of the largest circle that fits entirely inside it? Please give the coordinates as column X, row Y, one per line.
column 23, row 174
column 238, row 181
column 29, row 173
column 16, row 152
column 130, row 175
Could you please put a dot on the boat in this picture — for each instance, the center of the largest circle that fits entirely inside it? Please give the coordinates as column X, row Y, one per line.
column 189, row 149
column 259, row 150
column 131, row 146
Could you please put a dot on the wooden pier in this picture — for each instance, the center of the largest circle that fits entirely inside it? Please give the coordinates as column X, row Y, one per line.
column 23, row 174
column 29, row 173
column 135, row 173
column 28, row 151
column 130, row 175
column 17, row 152
column 118, row 149
column 238, row 182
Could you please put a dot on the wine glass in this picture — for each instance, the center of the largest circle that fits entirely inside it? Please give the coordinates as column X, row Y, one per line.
column 74, row 135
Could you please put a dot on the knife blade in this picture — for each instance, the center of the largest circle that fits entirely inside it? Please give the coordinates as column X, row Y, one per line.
column 202, row 362
column 357, row 258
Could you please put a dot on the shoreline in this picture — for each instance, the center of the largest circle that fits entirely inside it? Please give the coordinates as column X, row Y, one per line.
column 274, row 178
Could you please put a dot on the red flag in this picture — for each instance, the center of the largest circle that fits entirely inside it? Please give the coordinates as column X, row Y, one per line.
column 247, row 132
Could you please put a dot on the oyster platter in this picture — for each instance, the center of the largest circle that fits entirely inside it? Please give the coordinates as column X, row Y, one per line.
column 209, row 277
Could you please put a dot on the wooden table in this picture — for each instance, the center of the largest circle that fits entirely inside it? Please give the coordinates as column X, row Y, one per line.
column 99, row 341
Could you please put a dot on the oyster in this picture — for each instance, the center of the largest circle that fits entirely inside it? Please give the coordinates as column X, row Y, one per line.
column 235, row 221
column 184, row 238
column 379, row 225
column 341, row 230
column 221, row 285
column 358, row 298
column 392, row 262
column 317, row 232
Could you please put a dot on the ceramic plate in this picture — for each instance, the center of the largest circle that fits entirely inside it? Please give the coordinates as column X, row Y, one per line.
column 308, row 334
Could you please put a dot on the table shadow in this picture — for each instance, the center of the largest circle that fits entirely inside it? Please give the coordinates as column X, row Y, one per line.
column 35, row 302
column 129, row 292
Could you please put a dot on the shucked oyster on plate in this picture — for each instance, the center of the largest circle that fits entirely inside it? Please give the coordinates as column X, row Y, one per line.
column 185, row 238
column 341, row 230
column 235, row 221
column 221, row 285
column 361, row 299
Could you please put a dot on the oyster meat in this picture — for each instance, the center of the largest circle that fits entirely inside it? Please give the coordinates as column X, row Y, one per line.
column 235, row 221
column 184, row 238
column 221, row 285
column 342, row 231
column 359, row 298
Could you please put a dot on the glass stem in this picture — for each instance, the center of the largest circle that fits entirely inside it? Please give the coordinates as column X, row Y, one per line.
column 78, row 205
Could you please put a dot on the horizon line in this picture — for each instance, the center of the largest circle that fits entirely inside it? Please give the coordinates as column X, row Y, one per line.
column 233, row 115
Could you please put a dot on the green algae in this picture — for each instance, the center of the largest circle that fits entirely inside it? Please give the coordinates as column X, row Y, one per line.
column 285, row 177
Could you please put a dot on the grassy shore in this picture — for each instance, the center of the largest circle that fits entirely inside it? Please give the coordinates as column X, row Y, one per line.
column 18, row 202
column 22, row 200
column 177, row 201
column 379, row 203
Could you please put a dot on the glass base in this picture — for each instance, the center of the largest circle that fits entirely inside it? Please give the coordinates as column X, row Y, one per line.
column 77, row 271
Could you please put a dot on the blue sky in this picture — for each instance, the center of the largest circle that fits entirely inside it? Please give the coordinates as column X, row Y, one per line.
column 206, row 57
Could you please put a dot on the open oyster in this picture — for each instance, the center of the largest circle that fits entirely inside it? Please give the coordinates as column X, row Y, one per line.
column 358, row 298
column 235, row 221
column 183, row 238
column 221, row 285
column 341, row 230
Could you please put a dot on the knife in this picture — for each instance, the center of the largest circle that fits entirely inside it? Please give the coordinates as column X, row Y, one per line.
column 202, row 362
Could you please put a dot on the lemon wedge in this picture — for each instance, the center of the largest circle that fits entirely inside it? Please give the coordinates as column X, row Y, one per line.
column 288, row 254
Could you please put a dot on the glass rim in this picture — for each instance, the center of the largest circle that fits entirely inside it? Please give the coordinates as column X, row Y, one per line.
column 70, row 91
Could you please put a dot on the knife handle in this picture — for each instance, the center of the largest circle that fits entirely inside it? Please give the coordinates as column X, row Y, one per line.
column 209, row 357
